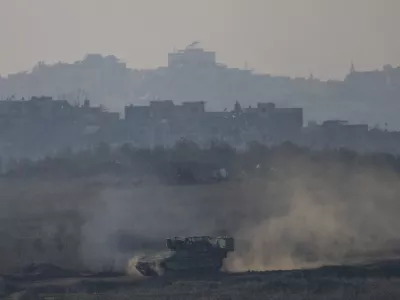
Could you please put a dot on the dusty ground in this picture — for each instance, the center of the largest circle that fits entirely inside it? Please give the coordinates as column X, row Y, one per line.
column 379, row 281
column 70, row 223
column 277, row 224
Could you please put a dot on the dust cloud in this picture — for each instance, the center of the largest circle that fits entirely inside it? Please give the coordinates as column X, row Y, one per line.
column 332, row 216
column 305, row 215
column 125, row 223
column 131, row 269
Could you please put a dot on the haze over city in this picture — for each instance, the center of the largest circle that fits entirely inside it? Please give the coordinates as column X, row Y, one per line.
column 293, row 38
column 200, row 149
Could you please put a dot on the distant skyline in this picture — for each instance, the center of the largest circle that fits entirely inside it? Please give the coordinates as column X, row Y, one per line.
column 278, row 37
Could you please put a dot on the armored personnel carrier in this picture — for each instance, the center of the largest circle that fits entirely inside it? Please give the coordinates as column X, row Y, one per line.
column 187, row 255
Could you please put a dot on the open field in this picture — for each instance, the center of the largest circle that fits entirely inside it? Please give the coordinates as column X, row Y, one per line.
column 278, row 224
column 302, row 216
column 72, row 223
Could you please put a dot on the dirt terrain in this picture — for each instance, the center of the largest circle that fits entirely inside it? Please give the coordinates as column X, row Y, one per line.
column 378, row 280
column 298, row 219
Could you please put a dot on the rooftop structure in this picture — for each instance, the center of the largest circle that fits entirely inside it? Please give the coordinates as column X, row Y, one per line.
column 191, row 56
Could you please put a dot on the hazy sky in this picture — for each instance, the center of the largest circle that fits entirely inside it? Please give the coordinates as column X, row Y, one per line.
column 290, row 37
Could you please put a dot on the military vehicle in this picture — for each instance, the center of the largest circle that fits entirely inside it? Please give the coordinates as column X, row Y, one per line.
column 187, row 255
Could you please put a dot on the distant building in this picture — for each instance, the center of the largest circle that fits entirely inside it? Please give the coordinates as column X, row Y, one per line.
column 39, row 110
column 265, row 108
column 337, row 134
column 19, row 112
column 94, row 115
column 163, row 120
column 163, row 109
column 192, row 57
column 137, row 113
column 192, row 108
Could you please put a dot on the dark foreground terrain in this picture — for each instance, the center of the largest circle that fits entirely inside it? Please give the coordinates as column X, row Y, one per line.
column 369, row 281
